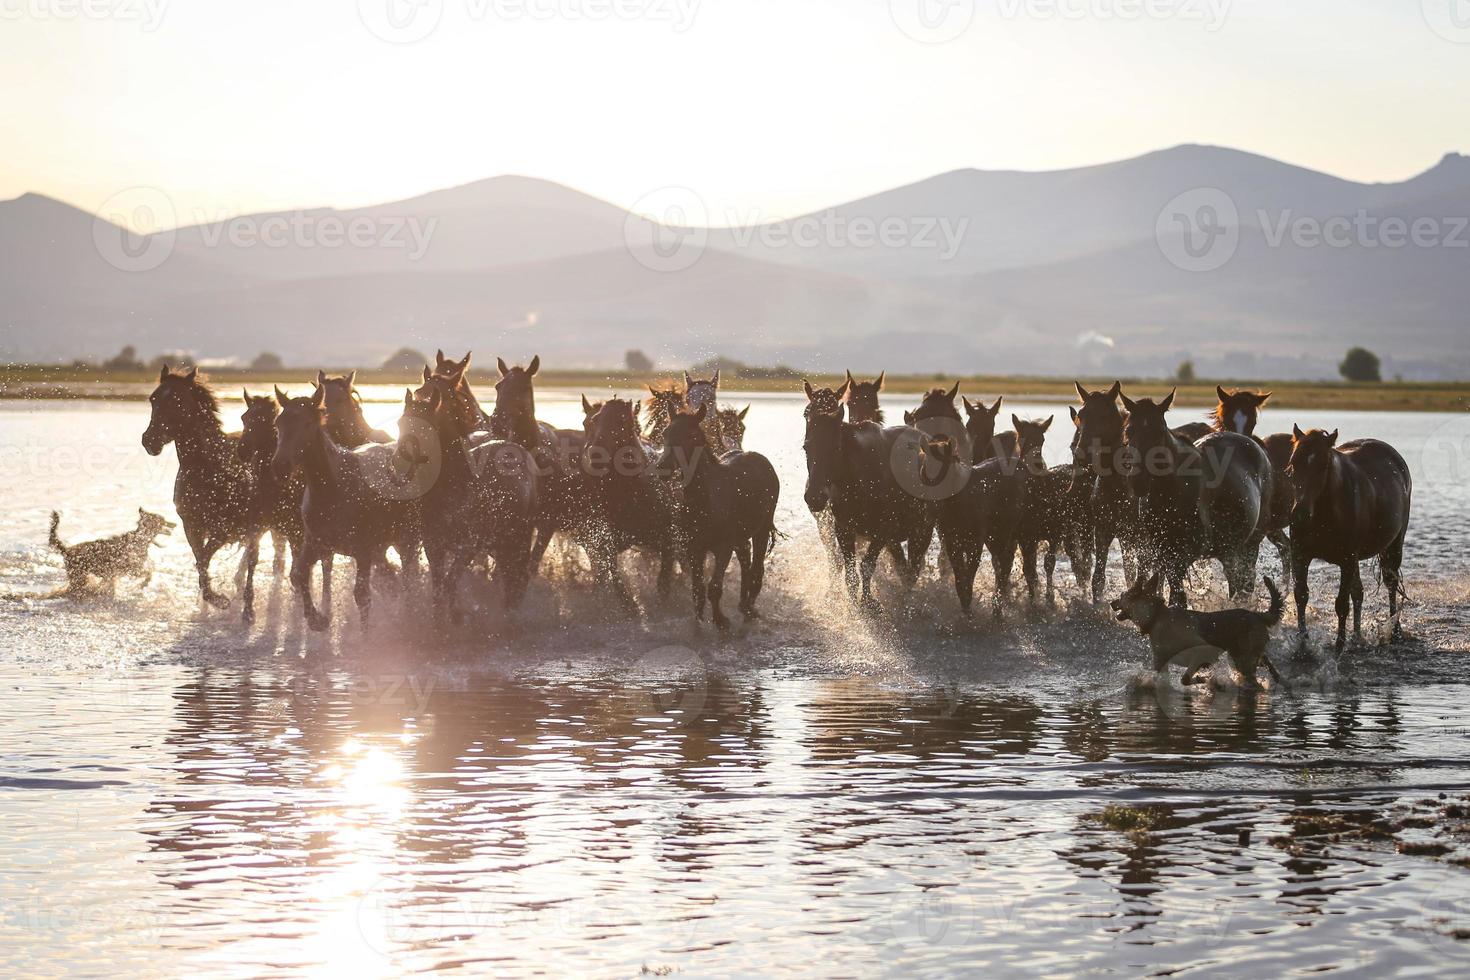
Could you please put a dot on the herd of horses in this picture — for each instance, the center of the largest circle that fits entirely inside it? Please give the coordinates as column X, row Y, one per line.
column 669, row 476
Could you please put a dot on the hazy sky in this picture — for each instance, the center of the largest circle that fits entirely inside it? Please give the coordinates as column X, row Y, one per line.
column 776, row 105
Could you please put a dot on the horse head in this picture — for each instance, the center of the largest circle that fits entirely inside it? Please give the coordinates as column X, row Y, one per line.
column 1312, row 454
column 823, row 401
column 862, row 399
column 181, row 404
column 258, row 426
column 980, row 423
column 1239, row 410
column 1099, row 426
column 451, row 385
column 732, row 427
column 823, row 448
column 1145, row 431
column 685, row 445
column 612, row 432
column 1030, row 438
column 699, row 393
column 300, row 423
column 514, row 414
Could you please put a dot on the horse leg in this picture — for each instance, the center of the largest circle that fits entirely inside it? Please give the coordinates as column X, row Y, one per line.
column 1357, row 596
column 870, row 562
column 1299, row 567
column 1344, row 601
column 1282, row 543
column 247, row 599
column 362, row 589
column 279, row 543
column 1028, row 570
column 742, row 555
column 1390, row 564
column 327, row 558
column 847, row 544
column 1175, row 572
column 759, row 545
column 1002, row 560
column 717, row 586
column 666, row 573
column 1102, row 542
column 963, row 565
column 695, row 560
column 1051, row 568
column 301, row 565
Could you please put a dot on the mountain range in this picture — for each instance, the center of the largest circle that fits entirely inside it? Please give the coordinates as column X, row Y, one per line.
column 1246, row 265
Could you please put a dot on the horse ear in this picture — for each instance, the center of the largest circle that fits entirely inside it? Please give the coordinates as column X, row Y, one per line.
column 1167, row 402
column 351, row 377
column 687, row 380
column 810, row 391
column 1297, row 435
column 1116, row 389
column 716, row 379
column 245, row 393
column 908, row 418
column 742, row 413
column 969, row 409
column 844, row 391
column 281, row 397
column 1220, row 393
column 427, row 374
column 1076, row 419
column 464, row 362
column 636, row 406
column 534, row 366
column 848, row 372
column 500, row 363
column 163, row 372
column 321, row 377
column 1262, row 397
column 1128, row 403
column 1015, row 422
column 407, row 397
column 996, row 407
column 318, row 395
column 439, row 358
column 192, row 373
column 699, row 416
column 1081, row 391
column 586, row 405
column 952, row 392
column 1332, row 438
column 1047, row 424
column 880, row 379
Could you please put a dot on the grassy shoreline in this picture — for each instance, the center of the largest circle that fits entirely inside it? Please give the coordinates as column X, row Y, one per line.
column 66, row 382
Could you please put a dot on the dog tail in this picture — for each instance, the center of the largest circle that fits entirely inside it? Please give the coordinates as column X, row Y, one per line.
column 55, row 539
column 1278, row 604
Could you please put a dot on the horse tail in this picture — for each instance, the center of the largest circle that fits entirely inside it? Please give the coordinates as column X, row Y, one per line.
column 1278, row 604
column 54, row 539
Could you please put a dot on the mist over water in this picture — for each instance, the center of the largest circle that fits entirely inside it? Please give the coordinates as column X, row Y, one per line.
column 820, row 792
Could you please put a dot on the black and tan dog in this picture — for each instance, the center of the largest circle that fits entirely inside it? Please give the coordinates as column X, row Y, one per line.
column 110, row 558
column 1195, row 639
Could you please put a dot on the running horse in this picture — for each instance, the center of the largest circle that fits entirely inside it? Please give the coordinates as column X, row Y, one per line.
column 279, row 501
column 729, row 508
column 705, row 394
column 1207, row 499
column 1349, row 503
column 1238, row 410
column 1100, row 475
column 862, row 399
column 482, row 500
column 346, row 423
column 661, row 405
column 215, row 492
column 357, row 503
column 874, row 487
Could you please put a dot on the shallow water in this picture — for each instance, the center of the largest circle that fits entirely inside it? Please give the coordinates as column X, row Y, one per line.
column 821, row 792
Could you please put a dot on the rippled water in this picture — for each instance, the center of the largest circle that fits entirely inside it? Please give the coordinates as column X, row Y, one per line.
column 819, row 793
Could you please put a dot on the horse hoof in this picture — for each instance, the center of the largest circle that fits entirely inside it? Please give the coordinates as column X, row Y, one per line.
column 217, row 601
column 317, row 624
column 722, row 623
column 247, row 616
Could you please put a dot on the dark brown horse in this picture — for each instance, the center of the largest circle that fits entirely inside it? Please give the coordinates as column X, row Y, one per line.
column 1208, row 499
column 874, row 486
column 629, row 505
column 1098, row 458
column 357, row 503
column 729, row 508
column 1351, row 503
column 557, row 452
column 985, row 443
column 346, row 424
column 215, row 491
column 823, row 401
column 937, row 415
column 862, row 399
column 732, row 429
column 278, row 501
column 1238, row 411
column 482, row 501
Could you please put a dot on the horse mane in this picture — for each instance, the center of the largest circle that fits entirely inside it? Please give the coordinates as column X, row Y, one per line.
column 201, row 392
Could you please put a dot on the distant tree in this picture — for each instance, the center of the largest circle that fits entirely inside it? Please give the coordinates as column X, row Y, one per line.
column 126, row 360
column 405, row 359
column 1184, row 374
column 1360, row 365
column 173, row 358
column 267, row 361
column 638, row 362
